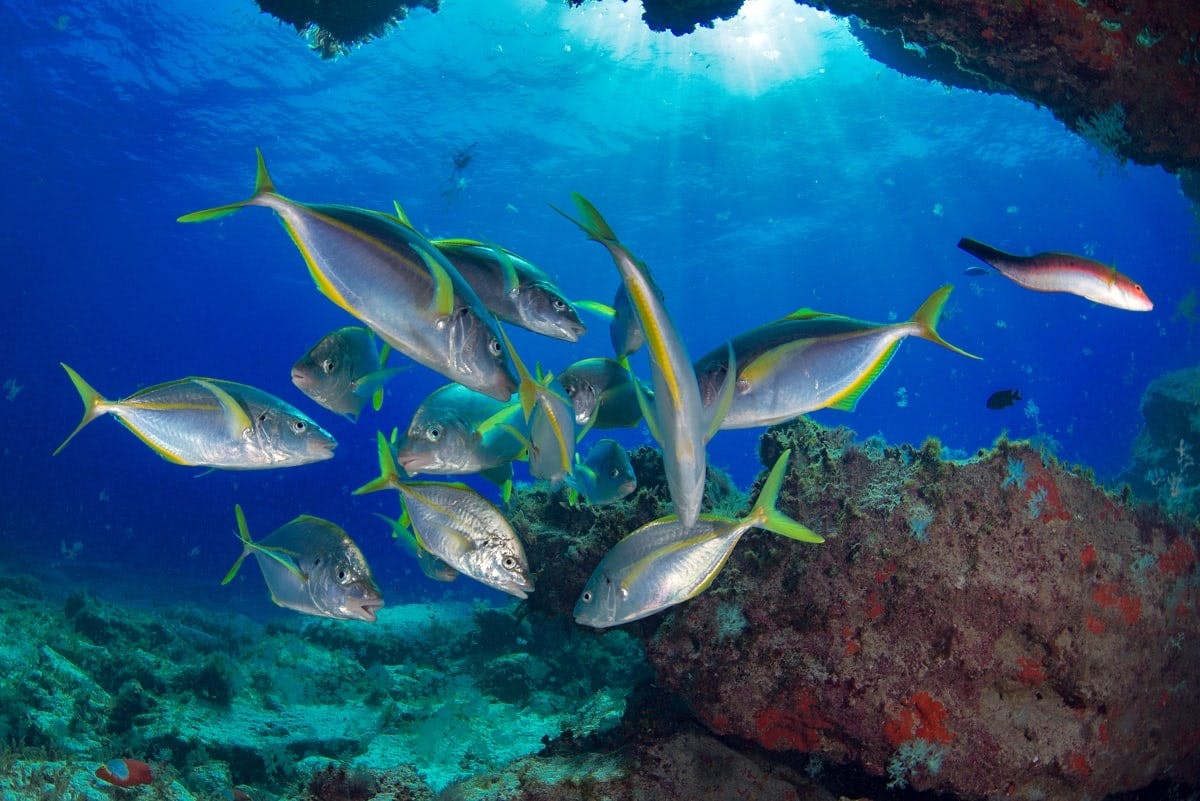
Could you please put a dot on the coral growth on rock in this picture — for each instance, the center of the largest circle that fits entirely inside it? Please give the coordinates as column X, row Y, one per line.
column 1163, row 464
column 1041, row 640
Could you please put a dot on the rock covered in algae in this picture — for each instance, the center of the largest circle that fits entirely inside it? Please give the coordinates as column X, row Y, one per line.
column 1163, row 465
column 1001, row 627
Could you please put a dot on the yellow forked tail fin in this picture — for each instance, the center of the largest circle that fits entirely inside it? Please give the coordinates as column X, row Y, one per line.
column 927, row 318
column 766, row 515
column 262, row 186
column 389, row 476
column 93, row 404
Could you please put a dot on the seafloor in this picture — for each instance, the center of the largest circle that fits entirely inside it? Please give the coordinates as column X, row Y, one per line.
column 996, row 626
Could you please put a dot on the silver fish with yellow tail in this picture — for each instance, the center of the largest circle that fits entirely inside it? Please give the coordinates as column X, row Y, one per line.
column 678, row 421
column 387, row 275
column 810, row 360
column 459, row 526
column 605, row 476
column 207, row 422
column 665, row 563
column 312, row 566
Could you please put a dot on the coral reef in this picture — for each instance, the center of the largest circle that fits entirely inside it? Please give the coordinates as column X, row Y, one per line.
column 296, row 708
column 1040, row 640
column 1163, row 465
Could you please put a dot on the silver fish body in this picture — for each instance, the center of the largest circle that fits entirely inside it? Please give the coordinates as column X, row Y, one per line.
column 551, row 438
column 443, row 437
column 680, row 421
column 810, row 360
column 513, row 289
column 209, row 422
column 664, row 562
column 312, row 566
column 342, row 371
column 603, row 394
column 464, row 530
column 624, row 331
column 392, row 279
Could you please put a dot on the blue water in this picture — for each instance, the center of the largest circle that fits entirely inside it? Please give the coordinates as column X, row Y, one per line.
column 758, row 168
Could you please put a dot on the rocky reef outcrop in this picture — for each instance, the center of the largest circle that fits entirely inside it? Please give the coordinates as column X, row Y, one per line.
column 995, row 627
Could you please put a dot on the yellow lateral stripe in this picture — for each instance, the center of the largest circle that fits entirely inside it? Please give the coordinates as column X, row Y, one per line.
column 654, row 338
column 324, row 285
column 652, row 558
column 564, row 459
column 764, row 365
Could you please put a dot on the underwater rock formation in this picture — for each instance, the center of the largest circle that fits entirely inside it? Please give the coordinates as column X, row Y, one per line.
column 334, row 28
column 1000, row 627
column 1163, row 463
column 1124, row 74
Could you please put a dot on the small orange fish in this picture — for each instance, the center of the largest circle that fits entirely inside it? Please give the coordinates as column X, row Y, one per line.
column 125, row 772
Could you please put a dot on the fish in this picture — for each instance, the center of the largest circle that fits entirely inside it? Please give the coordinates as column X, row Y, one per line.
column 678, row 420
column 1064, row 272
column 665, row 563
column 456, row 431
column 312, row 566
column 551, row 441
column 125, row 772
column 514, row 289
column 343, row 371
column 811, row 360
column 603, row 394
column 391, row 278
column 606, row 475
column 1003, row 398
column 625, row 331
column 430, row 565
column 459, row 526
column 209, row 422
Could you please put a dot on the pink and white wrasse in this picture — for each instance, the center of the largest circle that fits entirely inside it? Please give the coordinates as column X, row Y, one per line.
column 1064, row 272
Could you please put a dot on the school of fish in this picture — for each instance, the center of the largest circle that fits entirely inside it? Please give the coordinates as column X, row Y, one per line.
column 442, row 303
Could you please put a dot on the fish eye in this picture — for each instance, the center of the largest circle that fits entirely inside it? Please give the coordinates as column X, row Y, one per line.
column 494, row 347
column 433, row 433
column 509, row 563
column 558, row 305
column 343, row 575
column 327, row 366
column 614, row 473
column 262, row 418
column 298, row 426
column 586, row 597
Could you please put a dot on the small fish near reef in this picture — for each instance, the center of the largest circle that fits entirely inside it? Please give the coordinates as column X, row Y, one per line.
column 664, row 563
column 1064, row 272
column 343, row 371
column 459, row 526
column 390, row 277
column 208, row 422
column 312, row 566
column 605, row 476
column 125, row 772
column 1003, row 398
column 811, row 360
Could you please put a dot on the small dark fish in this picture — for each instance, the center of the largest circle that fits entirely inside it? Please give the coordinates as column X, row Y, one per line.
column 1003, row 399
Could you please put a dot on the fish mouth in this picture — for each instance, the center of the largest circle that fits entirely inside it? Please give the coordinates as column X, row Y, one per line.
column 301, row 380
column 370, row 608
column 628, row 487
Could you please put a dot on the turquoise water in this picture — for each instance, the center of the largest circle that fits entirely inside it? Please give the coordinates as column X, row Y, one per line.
column 759, row 167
